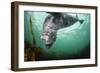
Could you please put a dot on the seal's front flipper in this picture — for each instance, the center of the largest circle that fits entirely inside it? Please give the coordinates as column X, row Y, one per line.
column 81, row 21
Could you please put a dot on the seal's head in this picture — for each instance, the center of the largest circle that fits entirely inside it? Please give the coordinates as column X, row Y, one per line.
column 49, row 38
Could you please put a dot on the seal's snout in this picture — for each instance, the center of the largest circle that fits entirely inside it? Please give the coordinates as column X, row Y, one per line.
column 45, row 37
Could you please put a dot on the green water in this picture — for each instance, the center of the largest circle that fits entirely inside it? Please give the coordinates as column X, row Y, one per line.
column 70, row 40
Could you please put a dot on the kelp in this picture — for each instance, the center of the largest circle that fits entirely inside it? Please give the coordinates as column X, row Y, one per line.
column 31, row 30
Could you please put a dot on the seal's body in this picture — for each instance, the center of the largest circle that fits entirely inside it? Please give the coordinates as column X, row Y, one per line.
column 53, row 23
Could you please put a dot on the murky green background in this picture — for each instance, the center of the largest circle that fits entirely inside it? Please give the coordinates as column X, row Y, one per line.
column 70, row 40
